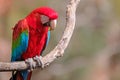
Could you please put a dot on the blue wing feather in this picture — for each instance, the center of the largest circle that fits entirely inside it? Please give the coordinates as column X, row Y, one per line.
column 48, row 38
column 17, row 52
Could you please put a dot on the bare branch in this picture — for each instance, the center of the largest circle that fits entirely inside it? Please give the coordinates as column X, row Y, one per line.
column 58, row 51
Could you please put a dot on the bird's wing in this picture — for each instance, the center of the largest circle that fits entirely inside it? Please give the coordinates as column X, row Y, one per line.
column 20, row 39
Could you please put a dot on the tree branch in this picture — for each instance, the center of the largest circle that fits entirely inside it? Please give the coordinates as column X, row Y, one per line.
column 58, row 51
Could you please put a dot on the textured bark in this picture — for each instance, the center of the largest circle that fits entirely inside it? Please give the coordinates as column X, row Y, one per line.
column 58, row 51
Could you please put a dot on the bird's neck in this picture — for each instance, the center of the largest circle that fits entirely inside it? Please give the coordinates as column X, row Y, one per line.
column 34, row 20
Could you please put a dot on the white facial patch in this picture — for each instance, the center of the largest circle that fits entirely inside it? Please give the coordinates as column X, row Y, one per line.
column 44, row 19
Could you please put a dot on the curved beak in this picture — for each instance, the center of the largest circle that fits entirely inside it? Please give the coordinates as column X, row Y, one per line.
column 53, row 24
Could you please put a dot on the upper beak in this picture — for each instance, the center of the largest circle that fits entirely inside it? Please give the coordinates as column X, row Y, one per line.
column 53, row 24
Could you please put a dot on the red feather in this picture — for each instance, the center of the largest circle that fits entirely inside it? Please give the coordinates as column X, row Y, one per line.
column 37, row 37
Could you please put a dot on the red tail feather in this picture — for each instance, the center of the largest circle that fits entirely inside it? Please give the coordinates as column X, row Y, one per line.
column 18, row 76
column 29, row 76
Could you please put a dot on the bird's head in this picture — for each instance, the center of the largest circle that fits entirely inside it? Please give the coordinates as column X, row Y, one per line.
column 48, row 17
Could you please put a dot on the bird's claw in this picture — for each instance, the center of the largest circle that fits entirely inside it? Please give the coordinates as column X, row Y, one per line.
column 39, row 61
column 31, row 64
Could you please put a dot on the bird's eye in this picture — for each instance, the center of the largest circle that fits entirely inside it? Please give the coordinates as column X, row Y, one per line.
column 46, row 24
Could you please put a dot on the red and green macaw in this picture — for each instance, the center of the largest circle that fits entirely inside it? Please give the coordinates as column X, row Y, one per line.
column 30, row 37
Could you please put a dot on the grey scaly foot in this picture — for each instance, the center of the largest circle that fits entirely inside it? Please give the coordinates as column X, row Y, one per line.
column 31, row 64
column 39, row 61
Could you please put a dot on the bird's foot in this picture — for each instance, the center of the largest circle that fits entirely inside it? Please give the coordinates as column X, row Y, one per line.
column 31, row 63
column 39, row 61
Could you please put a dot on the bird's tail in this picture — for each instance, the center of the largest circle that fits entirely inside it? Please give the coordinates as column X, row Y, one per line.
column 18, row 76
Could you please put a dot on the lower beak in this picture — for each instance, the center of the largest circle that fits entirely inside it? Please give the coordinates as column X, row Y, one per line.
column 51, row 28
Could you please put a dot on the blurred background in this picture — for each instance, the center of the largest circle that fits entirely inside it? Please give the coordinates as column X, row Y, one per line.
column 94, row 50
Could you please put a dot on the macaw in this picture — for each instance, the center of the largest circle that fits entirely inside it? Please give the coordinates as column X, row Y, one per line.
column 30, row 37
